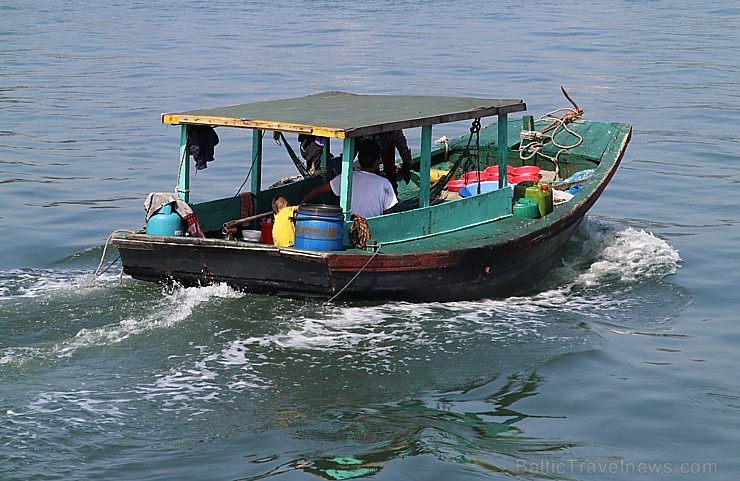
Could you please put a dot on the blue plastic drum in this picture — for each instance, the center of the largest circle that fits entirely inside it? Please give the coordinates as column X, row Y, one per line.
column 319, row 227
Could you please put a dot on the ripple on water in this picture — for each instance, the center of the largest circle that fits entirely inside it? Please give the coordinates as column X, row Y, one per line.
column 718, row 399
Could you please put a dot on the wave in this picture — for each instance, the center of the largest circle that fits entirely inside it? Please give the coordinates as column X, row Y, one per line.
column 594, row 280
column 216, row 349
column 170, row 309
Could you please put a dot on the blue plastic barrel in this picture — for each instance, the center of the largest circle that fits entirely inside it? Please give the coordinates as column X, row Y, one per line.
column 319, row 227
column 165, row 222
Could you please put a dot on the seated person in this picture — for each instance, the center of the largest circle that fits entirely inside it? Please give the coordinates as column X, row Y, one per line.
column 283, row 229
column 372, row 194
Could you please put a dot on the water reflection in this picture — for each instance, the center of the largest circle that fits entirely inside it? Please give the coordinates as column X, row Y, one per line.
column 450, row 427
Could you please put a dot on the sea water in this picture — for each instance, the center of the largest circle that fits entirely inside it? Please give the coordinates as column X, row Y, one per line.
column 621, row 364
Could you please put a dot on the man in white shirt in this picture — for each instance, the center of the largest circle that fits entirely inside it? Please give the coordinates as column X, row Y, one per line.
column 372, row 194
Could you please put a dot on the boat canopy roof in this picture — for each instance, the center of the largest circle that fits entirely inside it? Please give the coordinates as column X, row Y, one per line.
column 343, row 115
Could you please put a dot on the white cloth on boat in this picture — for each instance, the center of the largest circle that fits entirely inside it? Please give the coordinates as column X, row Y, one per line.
column 156, row 200
column 560, row 197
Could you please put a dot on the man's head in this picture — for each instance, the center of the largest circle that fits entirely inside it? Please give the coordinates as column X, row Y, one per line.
column 368, row 154
column 279, row 203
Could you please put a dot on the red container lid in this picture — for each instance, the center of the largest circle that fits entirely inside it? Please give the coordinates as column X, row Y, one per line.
column 455, row 185
column 526, row 177
column 527, row 169
column 474, row 176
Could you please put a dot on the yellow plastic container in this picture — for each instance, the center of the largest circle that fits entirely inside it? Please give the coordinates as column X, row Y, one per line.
column 436, row 174
column 542, row 194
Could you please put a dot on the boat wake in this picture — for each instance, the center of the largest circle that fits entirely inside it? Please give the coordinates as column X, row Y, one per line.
column 604, row 273
column 629, row 256
column 187, row 355
column 69, row 306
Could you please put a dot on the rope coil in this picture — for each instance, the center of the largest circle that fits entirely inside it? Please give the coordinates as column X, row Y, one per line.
column 536, row 138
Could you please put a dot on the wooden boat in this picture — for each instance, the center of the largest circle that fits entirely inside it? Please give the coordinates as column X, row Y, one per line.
column 440, row 246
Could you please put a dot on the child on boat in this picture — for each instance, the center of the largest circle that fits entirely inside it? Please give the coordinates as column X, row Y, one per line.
column 283, row 229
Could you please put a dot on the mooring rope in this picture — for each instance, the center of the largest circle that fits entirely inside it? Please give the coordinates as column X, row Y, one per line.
column 98, row 272
column 377, row 251
column 105, row 247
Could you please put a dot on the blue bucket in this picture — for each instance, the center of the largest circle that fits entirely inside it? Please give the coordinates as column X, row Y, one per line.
column 165, row 222
column 319, row 227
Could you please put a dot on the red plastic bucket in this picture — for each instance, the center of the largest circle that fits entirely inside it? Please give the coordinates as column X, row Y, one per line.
column 455, row 185
column 492, row 172
column 266, row 230
column 525, row 177
column 476, row 175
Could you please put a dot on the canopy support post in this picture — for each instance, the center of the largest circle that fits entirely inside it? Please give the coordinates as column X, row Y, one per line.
column 256, row 167
column 183, row 177
column 425, row 165
column 345, row 194
column 503, row 148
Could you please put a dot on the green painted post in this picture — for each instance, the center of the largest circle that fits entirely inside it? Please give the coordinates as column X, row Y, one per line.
column 256, row 166
column 503, row 148
column 183, row 177
column 425, row 165
column 345, row 194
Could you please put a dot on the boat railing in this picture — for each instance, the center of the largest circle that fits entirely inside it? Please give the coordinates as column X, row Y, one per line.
column 440, row 218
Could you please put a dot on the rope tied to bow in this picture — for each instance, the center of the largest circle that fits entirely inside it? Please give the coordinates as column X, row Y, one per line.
column 532, row 141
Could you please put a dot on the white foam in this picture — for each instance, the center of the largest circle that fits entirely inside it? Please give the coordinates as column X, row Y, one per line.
column 630, row 256
column 174, row 307
column 43, row 282
column 385, row 337
column 18, row 355
column 207, row 377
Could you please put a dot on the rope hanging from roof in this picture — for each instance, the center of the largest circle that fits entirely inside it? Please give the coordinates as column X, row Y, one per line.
column 437, row 187
column 279, row 137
